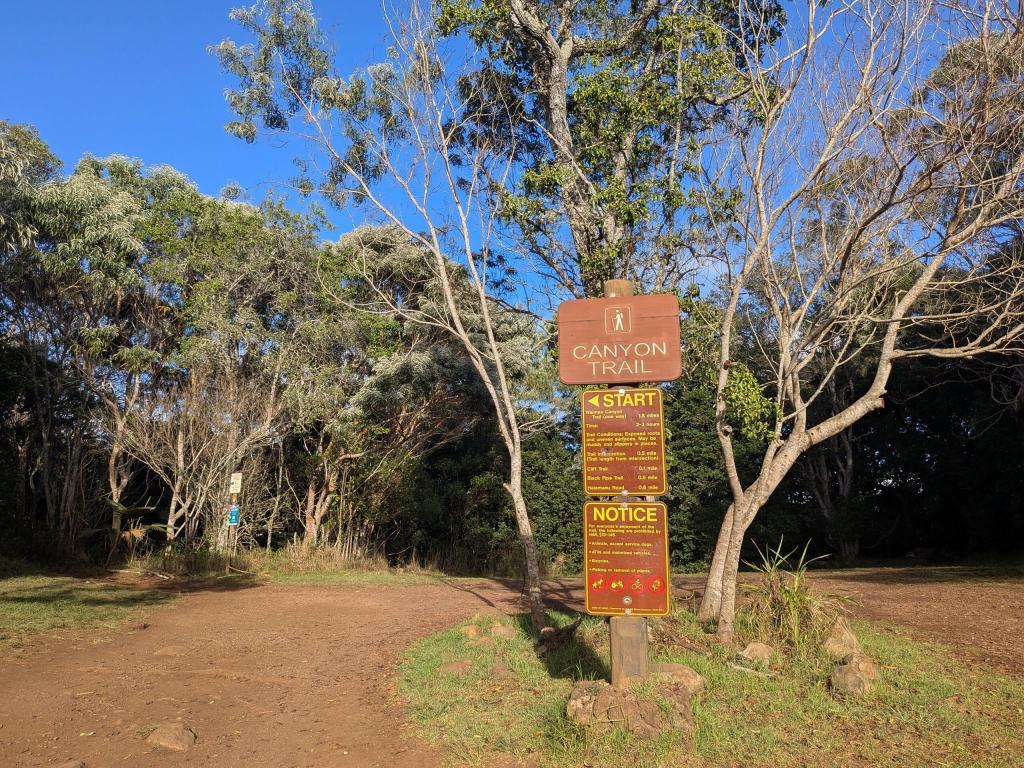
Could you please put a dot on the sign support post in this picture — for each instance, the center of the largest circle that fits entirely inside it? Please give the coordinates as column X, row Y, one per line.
column 630, row 649
column 619, row 340
column 233, row 514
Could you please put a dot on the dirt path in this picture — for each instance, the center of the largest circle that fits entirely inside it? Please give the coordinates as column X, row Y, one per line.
column 289, row 676
column 977, row 612
column 268, row 676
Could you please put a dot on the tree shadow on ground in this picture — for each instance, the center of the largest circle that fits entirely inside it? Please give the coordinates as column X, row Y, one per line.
column 575, row 660
column 467, row 587
column 923, row 574
column 84, row 595
column 564, row 595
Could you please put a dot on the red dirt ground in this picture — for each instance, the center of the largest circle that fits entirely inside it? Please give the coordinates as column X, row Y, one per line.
column 285, row 676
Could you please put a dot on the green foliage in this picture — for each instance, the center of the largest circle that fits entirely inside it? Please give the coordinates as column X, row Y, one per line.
column 553, row 487
column 747, row 406
column 25, row 162
column 637, row 85
column 698, row 488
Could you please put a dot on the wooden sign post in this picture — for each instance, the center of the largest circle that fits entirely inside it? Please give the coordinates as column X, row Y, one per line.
column 234, row 512
column 619, row 339
column 623, row 339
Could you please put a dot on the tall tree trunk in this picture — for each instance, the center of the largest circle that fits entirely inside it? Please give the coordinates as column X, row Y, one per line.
column 532, row 581
column 310, row 527
column 711, row 602
column 727, row 612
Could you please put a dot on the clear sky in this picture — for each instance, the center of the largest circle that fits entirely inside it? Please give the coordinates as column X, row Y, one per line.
column 135, row 78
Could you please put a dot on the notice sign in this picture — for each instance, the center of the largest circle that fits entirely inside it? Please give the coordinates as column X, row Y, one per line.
column 625, row 558
column 236, row 483
column 623, row 442
column 620, row 340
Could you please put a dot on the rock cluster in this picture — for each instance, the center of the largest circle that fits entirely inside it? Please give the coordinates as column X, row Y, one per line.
column 840, row 641
column 856, row 675
column 600, row 706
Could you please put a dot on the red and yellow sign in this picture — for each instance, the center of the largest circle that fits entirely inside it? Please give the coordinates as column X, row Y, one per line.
column 623, row 442
column 619, row 340
column 625, row 558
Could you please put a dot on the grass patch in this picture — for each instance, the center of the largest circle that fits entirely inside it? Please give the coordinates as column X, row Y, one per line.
column 319, row 566
column 929, row 709
column 36, row 604
column 323, row 566
column 512, row 702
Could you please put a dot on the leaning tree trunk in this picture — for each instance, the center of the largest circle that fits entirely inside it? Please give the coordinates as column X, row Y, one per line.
column 532, row 581
column 727, row 612
column 711, row 601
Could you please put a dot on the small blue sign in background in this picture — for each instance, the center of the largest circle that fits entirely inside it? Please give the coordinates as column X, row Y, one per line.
column 233, row 514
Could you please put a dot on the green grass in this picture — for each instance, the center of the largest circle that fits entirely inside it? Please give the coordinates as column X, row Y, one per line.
column 929, row 709
column 41, row 604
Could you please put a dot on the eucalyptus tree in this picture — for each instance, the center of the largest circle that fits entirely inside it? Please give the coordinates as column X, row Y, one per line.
column 388, row 138
column 880, row 189
column 69, row 259
column 369, row 392
column 604, row 106
column 188, row 369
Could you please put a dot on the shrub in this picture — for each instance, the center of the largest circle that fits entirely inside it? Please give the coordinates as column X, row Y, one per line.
column 784, row 610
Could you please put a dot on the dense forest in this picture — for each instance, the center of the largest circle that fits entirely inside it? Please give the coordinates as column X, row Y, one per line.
column 392, row 391
column 156, row 340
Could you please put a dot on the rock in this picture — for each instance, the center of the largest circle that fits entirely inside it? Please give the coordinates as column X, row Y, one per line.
column 682, row 674
column 503, row 630
column 170, row 650
column 759, row 653
column 458, row 668
column 72, row 764
column 175, row 736
column 855, row 676
column 681, row 699
column 580, row 708
column 600, row 706
column 841, row 641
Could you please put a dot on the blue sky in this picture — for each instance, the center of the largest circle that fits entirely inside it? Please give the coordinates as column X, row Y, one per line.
column 134, row 78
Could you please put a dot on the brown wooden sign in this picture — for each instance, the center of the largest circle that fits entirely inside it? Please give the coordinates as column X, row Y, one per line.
column 623, row 442
column 620, row 340
column 625, row 556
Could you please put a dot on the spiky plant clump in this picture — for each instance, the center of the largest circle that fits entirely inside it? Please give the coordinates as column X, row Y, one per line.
column 784, row 609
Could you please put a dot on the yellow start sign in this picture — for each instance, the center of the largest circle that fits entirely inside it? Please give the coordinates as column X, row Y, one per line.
column 623, row 443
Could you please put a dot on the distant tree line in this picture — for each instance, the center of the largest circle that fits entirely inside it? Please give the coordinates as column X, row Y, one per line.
column 155, row 340
column 846, row 252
